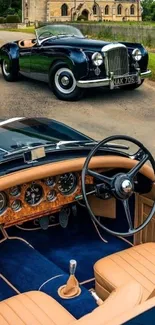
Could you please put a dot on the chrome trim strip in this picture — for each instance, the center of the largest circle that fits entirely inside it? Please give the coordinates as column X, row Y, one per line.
column 109, row 81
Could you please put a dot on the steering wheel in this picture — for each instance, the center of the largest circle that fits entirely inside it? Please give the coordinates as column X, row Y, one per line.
column 120, row 186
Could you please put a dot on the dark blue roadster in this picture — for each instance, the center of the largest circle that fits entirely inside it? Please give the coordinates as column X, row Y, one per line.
column 61, row 56
column 77, row 227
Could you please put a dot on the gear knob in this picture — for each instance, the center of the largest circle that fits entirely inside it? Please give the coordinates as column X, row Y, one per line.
column 72, row 266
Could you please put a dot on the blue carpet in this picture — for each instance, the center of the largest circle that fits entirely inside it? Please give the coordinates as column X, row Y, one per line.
column 27, row 270
column 79, row 241
column 5, row 290
column 146, row 318
column 78, row 306
column 24, row 267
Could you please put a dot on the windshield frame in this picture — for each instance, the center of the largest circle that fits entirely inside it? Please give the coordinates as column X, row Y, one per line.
column 61, row 26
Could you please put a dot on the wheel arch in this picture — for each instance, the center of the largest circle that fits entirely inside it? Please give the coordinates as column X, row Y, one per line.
column 75, row 60
column 11, row 50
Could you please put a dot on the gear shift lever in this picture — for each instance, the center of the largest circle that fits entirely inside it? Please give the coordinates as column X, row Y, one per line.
column 71, row 289
column 72, row 267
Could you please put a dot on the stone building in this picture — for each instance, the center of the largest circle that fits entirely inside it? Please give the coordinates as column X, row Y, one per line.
column 101, row 10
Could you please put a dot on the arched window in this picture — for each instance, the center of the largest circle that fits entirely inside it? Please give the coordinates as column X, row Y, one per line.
column 106, row 10
column 132, row 10
column 94, row 10
column 64, row 10
column 119, row 9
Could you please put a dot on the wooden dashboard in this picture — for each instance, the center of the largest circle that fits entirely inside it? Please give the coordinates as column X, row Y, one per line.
column 12, row 213
column 20, row 207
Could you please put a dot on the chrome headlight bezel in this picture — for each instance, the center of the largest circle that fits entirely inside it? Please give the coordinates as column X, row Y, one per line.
column 137, row 54
column 97, row 59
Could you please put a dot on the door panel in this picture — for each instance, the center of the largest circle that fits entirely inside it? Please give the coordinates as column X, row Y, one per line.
column 24, row 60
column 144, row 206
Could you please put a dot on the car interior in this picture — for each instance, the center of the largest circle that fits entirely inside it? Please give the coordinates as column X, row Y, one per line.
column 28, row 43
column 77, row 241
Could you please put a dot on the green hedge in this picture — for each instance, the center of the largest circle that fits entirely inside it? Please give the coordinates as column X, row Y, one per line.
column 12, row 19
column 2, row 20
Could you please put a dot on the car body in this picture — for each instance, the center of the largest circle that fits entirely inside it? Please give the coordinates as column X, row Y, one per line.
column 61, row 56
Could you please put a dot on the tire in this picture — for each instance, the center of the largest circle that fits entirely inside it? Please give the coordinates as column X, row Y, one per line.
column 132, row 86
column 9, row 72
column 63, row 83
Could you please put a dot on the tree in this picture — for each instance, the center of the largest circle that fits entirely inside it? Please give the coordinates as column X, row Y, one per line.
column 148, row 7
column 10, row 6
column 4, row 5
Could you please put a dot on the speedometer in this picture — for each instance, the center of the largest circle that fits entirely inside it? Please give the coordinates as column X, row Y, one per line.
column 67, row 183
column 33, row 194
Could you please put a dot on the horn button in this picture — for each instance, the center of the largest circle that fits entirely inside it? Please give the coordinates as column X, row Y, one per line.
column 124, row 187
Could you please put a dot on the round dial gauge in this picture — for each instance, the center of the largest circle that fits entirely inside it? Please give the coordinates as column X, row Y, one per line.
column 3, row 202
column 50, row 181
column 33, row 194
column 67, row 183
column 51, row 196
column 16, row 205
column 15, row 191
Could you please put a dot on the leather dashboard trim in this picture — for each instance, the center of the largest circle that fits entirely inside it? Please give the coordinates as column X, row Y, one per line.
column 56, row 168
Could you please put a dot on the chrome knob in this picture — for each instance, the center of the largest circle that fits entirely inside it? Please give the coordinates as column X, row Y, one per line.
column 127, row 186
column 72, row 266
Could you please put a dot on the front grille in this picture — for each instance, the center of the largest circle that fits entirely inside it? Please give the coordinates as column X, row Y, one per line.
column 117, row 61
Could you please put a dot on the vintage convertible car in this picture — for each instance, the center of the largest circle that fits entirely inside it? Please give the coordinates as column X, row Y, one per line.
column 61, row 56
column 77, row 227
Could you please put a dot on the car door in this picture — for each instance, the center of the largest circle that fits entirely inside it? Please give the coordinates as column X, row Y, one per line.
column 41, row 60
column 24, row 60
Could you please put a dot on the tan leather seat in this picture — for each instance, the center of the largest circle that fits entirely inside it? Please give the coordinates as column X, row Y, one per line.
column 33, row 308
column 135, row 263
column 28, row 43
column 37, row 308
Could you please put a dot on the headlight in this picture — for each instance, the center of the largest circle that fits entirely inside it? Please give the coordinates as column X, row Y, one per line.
column 97, row 59
column 136, row 54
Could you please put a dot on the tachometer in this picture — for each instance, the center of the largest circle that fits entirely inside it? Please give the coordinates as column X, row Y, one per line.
column 33, row 194
column 67, row 183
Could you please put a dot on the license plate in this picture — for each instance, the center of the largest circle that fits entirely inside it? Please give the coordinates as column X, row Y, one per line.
column 121, row 81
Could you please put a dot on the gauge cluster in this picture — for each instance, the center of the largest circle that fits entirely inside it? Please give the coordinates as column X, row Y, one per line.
column 47, row 190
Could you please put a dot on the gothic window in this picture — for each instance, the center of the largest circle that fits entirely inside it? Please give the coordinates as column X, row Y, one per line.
column 64, row 10
column 106, row 10
column 119, row 9
column 94, row 10
column 132, row 10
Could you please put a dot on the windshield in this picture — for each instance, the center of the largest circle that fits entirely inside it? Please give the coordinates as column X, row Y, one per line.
column 57, row 30
column 36, row 131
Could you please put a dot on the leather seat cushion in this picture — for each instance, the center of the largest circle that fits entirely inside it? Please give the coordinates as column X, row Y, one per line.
column 33, row 308
column 135, row 263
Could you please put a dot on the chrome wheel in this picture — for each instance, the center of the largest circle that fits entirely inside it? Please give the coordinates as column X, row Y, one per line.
column 65, row 81
column 6, row 68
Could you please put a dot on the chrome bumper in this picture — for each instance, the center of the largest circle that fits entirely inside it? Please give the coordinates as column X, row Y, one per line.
column 110, row 81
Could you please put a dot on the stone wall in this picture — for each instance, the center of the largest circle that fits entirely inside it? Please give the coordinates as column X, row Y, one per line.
column 8, row 26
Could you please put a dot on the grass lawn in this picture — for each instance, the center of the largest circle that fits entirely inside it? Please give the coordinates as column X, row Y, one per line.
column 22, row 30
column 152, row 65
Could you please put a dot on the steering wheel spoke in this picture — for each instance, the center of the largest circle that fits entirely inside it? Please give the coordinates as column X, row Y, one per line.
column 100, row 177
column 133, row 172
column 128, row 214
